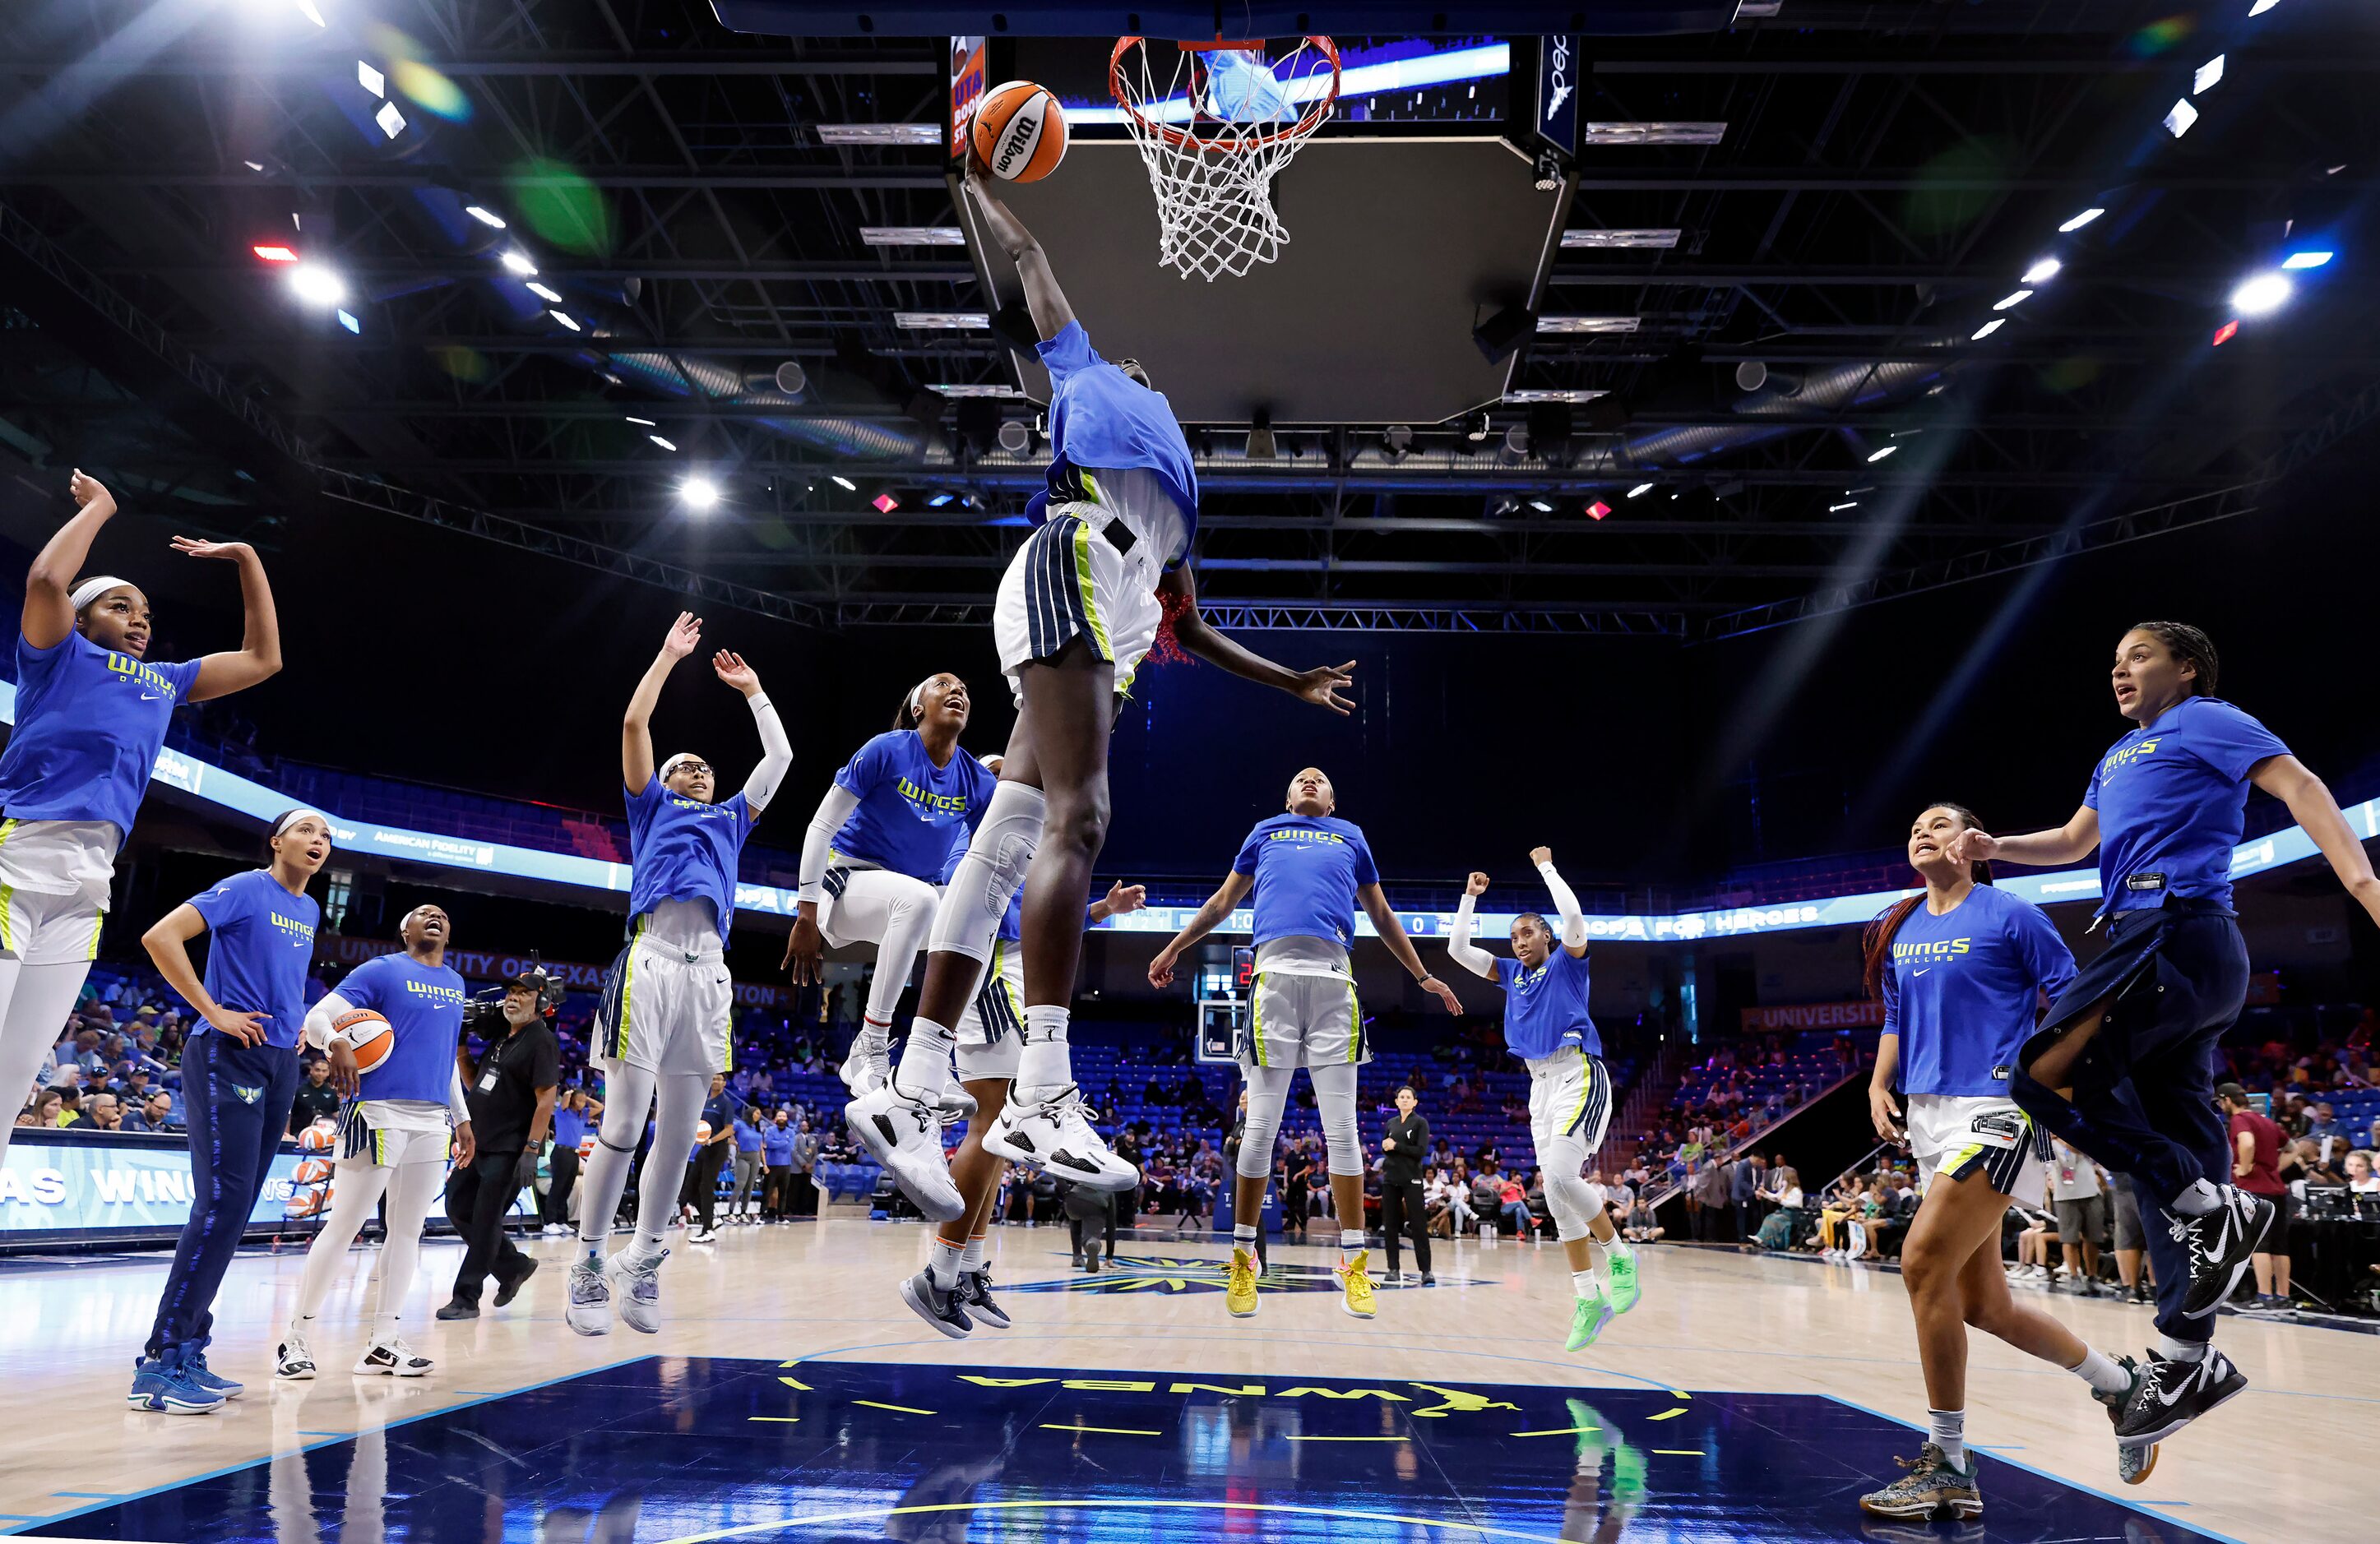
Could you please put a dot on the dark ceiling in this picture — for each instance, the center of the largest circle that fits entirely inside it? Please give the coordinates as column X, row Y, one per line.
column 1886, row 174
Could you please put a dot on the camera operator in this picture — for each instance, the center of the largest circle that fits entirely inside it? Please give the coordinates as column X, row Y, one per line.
column 511, row 1091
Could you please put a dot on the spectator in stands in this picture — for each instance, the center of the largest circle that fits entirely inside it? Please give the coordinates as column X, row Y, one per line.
column 1511, row 1205
column 2361, row 1180
column 69, row 1106
column 2322, row 1121
column 105, row 1116
column 316, row 1099
column 2257, row 1143
column 2076, row 1197
column 150, row 1114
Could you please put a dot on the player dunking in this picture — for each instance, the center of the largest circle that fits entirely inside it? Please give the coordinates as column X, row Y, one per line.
column 1963, row 970
column 90, row 715
column 1081, row 605
column 2121, row 1068
column 871, row 859
column 662, row 1029
column 1546, row 1025
column 1309, row 870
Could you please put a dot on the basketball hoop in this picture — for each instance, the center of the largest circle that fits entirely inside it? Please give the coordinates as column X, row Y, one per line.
column 1213, row 132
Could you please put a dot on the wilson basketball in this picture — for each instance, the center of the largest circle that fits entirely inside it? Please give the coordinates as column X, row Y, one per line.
column 702, row 1131
column 1020, row 132
column 368, row 1032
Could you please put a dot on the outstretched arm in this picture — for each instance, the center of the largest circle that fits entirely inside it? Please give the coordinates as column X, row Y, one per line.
column 1319, row 685
column 49, row 615
column 1120, row 898
column 260, row 643
column 1573, row 920
column 1211, row 916
column 2070, row 843
column 1051, row 315
column 636, row 729
column 1458, row 946
column 776, row 750
column 1392, row 933
column 2308, row 797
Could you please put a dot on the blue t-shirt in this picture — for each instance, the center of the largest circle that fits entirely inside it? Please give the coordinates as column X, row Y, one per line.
column 685, row 850
column 261, row 941
column 1545, row 1010
column 911, row 811
column 570, row 1127
column 2171, row 797
column 1101, row 417
column 748, row 1136
column 423, row 1005
column 1307, row 870
column 88, row 723
column 1963, row 989
column 776, row 1145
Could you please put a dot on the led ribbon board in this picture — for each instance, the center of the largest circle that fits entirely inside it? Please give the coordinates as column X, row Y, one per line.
column 226, row 789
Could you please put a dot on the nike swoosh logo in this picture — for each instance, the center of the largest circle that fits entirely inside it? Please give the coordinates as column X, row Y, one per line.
column 1914, row 974
column 150, row 696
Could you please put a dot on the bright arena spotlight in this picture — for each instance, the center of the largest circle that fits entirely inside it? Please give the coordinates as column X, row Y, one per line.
column 1170, row 786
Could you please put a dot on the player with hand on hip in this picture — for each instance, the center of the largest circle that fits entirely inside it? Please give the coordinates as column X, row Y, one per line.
column 1545, row 1024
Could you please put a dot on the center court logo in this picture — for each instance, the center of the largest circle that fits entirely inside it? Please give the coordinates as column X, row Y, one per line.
column 1171, row 1274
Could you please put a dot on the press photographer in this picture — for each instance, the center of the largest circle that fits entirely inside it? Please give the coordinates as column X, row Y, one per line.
column 510, row 1087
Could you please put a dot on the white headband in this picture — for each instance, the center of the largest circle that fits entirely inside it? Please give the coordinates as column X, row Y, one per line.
column 91, row 589
column 917, row 697
column 670, row 765
column 294, row 816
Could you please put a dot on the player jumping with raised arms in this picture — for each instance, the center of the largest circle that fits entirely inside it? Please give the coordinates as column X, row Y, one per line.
column 1081, row 605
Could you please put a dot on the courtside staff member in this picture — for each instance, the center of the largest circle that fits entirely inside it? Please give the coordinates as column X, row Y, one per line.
column 510, row 1088
column 1403, row 1142
column 239, row 1073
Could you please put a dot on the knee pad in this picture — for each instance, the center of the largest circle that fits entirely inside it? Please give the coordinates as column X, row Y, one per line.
column 1571, row 1200
column 988, row 876
column 1268, row 1097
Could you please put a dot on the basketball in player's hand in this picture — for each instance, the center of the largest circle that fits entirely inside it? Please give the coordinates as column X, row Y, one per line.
column 1019, row 133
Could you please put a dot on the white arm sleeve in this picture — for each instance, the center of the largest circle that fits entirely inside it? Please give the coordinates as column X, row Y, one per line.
column 776, row 755
column 456, row 1106
column 1458, row 946
column 319, row 1017
column 818, row 841
column 1573, row 920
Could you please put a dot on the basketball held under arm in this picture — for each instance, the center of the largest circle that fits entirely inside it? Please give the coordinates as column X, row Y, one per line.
column 319, row 1017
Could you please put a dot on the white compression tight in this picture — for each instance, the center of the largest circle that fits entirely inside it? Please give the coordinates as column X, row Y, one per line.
column 1334, row 1099
column 1570, row 1198
column 355, row 1188
column 674, row 1099
column 895, row 913
column 34, row 1002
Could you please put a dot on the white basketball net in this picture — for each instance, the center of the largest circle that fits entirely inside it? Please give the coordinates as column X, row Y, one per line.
column 1213, row 132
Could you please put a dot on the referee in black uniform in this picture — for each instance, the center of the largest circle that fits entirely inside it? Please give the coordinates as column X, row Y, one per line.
column 510, row 1089
column 1404, row 1142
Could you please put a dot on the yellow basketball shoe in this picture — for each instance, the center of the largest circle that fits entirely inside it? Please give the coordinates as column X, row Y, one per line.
column 1359, row 1300
column 1240, row 1284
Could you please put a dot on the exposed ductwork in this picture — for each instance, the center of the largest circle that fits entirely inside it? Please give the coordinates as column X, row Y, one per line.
column 681, row 375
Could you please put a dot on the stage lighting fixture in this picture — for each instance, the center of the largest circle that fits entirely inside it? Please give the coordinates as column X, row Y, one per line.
column 317, row 285
column 1640, row 490
column 567, row 319
column 1987, row 328
column 885, row 502
column 371, row 79
column 646, row 422
column 1016, row 437
column 1399, row 440
column 391, row 121
column 1516, row 440
column 544, row 293
column 1838, row 508
column 487, row 217
column 1261, row 445
column 2042, row 272
column 1541, row 506
column 516, row 263
column 2017, row 299
column 2081, row 220
column 1879, row 453
column 349, row 321
column 2208, row 74
column 2262, row 295
column 699, row 493
column 1475, row 428
column 2176, row 122
column 2226, row 332
column 792, row 378
column 664, row 445
column 843, row 482
column 274, row 254
column 2294, row 261
column 1597, row 510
